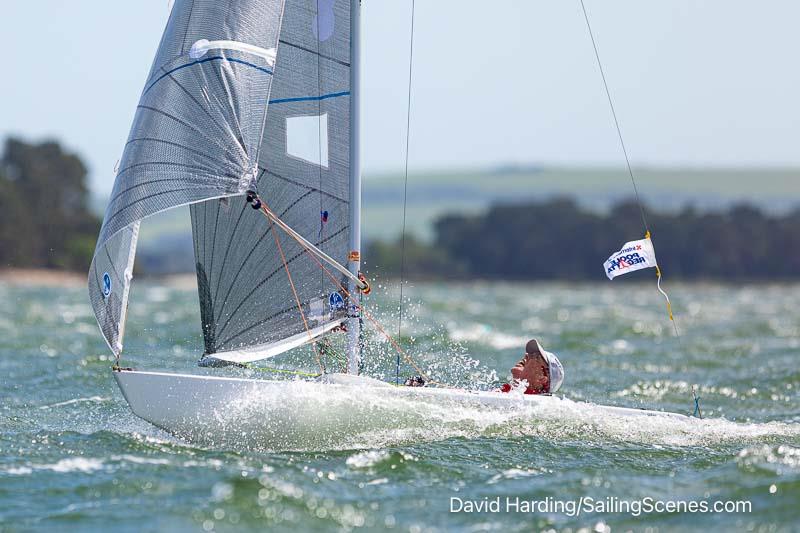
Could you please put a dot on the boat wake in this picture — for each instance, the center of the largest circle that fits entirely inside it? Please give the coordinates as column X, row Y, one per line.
column 307, row 417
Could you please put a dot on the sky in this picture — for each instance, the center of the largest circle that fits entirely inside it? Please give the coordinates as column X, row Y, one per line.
column 508, row 82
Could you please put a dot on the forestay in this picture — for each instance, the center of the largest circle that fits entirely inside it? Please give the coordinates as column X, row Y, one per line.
column 247, row 304
column 196, row 133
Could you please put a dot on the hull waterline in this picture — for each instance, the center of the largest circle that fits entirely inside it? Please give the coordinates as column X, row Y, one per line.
column 266, row 414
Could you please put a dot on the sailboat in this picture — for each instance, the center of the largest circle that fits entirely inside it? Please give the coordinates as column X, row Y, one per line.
column 250, row 116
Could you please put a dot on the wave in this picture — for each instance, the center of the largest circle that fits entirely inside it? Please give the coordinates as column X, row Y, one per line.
column 91, row 399
column 63, row 466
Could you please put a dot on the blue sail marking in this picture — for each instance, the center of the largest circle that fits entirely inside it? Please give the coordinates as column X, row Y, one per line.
column 215, row 58
column 309, row 98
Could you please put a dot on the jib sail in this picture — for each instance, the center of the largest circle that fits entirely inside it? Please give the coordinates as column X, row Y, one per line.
column 196, row 135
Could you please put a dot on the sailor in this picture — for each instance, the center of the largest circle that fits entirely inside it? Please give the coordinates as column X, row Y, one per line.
column 540, row 369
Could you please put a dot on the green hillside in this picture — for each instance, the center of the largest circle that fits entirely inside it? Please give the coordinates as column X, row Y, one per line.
column 431, row 195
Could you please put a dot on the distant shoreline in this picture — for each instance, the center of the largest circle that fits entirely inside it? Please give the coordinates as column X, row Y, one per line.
column 44, row 277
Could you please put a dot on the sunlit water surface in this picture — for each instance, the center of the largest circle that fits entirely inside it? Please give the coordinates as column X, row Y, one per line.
column 72, row 455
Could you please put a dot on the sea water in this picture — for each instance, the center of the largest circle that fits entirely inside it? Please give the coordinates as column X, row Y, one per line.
column 72, row 455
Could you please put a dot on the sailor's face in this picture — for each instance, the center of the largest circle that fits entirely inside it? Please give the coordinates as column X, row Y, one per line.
column 533, row 369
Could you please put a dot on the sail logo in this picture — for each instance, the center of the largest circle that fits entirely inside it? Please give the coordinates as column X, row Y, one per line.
column 630, row 249
column 335, row 301
column 634, row 255
column 106, row 285
column 625, row 261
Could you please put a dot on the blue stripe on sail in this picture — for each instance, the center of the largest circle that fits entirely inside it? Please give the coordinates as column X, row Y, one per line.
column 215, row 58
column 309, row 98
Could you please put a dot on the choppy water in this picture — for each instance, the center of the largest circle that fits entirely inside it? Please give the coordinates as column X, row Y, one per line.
column 73, row 456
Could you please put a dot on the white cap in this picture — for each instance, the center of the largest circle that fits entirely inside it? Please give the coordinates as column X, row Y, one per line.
column 556, row 370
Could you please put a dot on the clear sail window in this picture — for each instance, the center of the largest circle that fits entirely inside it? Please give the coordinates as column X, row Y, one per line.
column 307, row 138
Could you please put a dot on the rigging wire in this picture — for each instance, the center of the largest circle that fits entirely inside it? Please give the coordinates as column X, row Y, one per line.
column 405, row 190
column 307, row 247
column 291, row 283
column 372, row 319
column 635, row 188
column 614, row 114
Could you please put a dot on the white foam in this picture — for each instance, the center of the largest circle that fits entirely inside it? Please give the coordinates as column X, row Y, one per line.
column 63, row 466
column 516, row 473
column 308, row 417
column 75, row 464
column 19, row 470
column 140, row 460
column 91, row 399
column 483, row 334
column 367, row 459
column 372, row 458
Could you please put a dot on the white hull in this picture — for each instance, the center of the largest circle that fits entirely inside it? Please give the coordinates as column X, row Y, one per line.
column 288, row 415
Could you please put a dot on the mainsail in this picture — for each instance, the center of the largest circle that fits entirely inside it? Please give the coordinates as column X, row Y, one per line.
column 246, row 299
column 196, row 133
column 243, row 96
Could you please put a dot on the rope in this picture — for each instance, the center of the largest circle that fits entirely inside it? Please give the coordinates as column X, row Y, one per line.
column 294, row 290
column 633, row 182
column 405, row 191
column 375, row 322
column 361, row 283
column 614, row 114
column 697, row 411
column 347, row 294
column 327, row 350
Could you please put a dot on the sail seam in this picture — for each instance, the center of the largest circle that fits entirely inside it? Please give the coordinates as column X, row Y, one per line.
column 270, row 276
column 186, row 31
column 196, row 178
column 212, row 141
column 166, row 163
column 256, row 324
column 196, row 101
column 310, row 51
column 171, row 143
column 206, row 60
column 213, row 243
column 142, row 199
column 294, row 182
column 250, row 254
column 102, row 241
column 230, row 241
column 228, row 249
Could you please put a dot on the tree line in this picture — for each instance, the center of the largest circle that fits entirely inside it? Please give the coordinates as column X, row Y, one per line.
column 45, row 220
column 559, row 240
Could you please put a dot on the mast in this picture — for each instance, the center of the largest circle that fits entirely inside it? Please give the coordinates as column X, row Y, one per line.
column 354, row 258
